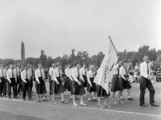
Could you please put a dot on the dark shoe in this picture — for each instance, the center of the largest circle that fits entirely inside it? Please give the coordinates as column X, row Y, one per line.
column 16, row 97
column 45, row 100
column 143, row 105
column 64, row 102
column 23, row 100
column 154, row 105
column 130, row 99
column 38, row 100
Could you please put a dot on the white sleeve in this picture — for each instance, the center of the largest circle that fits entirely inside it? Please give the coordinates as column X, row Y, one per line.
column 22, row 76
column 36, row 76
column 8, row 78
column 122, row 73
column 143, row 71
column 80, row 73
column 74, row 77
column 88, row 77
column 54, row 74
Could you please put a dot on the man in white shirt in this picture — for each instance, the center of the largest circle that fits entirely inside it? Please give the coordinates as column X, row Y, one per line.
column 25, row 81
column 145, row 82
column 11, row 82
column 51, row 78
column 16, row 74
column 30, row 81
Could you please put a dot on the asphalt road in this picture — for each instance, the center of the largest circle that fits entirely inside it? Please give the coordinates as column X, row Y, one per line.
column 16, row 109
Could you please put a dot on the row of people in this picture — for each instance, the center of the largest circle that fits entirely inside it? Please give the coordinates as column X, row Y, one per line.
column 78, row 81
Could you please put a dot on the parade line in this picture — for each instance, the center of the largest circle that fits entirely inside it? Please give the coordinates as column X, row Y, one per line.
column 114, row 111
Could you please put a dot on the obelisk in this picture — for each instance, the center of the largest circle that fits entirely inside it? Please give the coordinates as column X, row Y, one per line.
column 22, row 54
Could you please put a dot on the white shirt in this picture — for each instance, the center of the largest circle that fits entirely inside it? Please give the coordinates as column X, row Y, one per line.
column 9, row 74
column 38, row 73
column 67, row 72
column 70, row 74
column 15, row 73
column 50, row 71
column 24, row 75
column 2, row 73
column 122, row 72
column 90, row 74
column 143, row 70
column 75, row 74
column 56, row 72
column 82, row 72
column 29, row 73
column 115, row 69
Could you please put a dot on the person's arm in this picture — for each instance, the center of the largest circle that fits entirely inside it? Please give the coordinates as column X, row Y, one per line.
column 36, row 76
column 88, row 78
column 70, row 75
column 54, row 74
column 8, row 76
column 80, row 73
column 116, row 66
column 122, row 73
column 143, row 71
column 74, row 77
column 22, row 76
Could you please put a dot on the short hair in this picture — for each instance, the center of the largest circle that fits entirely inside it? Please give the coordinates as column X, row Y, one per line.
column 77, row 62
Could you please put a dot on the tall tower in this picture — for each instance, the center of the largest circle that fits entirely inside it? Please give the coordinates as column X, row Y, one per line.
column 22, row 54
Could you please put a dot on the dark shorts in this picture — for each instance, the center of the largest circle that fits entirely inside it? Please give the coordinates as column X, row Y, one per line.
column 101, row 92
column 116, row 84
column 93, row 88
column 77, row 89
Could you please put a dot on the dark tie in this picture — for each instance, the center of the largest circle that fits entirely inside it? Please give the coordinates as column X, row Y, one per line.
column 26, row 74
column 12, row 74
column 41, row 73
column 147, row 69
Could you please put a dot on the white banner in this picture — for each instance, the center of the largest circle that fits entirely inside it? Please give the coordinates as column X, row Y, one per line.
column 104, row 74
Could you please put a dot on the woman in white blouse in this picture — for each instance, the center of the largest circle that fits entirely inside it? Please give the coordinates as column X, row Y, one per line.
column 91, row 85
column 58, row 86
column 78, row 88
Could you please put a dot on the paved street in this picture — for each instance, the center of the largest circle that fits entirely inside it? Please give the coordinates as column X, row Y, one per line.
column 31, row 110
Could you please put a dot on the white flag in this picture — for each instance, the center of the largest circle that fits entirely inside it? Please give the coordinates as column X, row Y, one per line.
column 104, row 74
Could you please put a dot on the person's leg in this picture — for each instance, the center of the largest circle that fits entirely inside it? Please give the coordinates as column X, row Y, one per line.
column 9, row 90
column 23, row 90
column 151, row 91
column 105, row 103
column 142, row 90
column 1, row 88
column 81, row 101
column 74, row 102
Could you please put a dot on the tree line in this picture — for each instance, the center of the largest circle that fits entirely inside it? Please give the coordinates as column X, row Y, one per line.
column 83, row 56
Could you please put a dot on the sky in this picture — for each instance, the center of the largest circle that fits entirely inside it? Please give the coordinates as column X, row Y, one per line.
column 58, row 26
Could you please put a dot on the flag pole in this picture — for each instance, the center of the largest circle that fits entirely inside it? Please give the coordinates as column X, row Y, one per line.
column 112, row 43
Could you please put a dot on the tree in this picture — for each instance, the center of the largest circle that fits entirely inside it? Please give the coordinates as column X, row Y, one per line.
column 42, row 58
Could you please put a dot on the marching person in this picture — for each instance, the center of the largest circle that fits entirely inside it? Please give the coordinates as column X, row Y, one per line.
column 58, row 86
column 19, row 82
column 125, row 82
column 78, row 88
column 50, row 78
column 91, row 85
column 30, row 81
column 11, row 82
column 15, row 77
column 69, row 80
column 25, row 83
column 83, row 76
column 39, row 84
column 2, row 82
column 116, row 84
column 145, row 82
